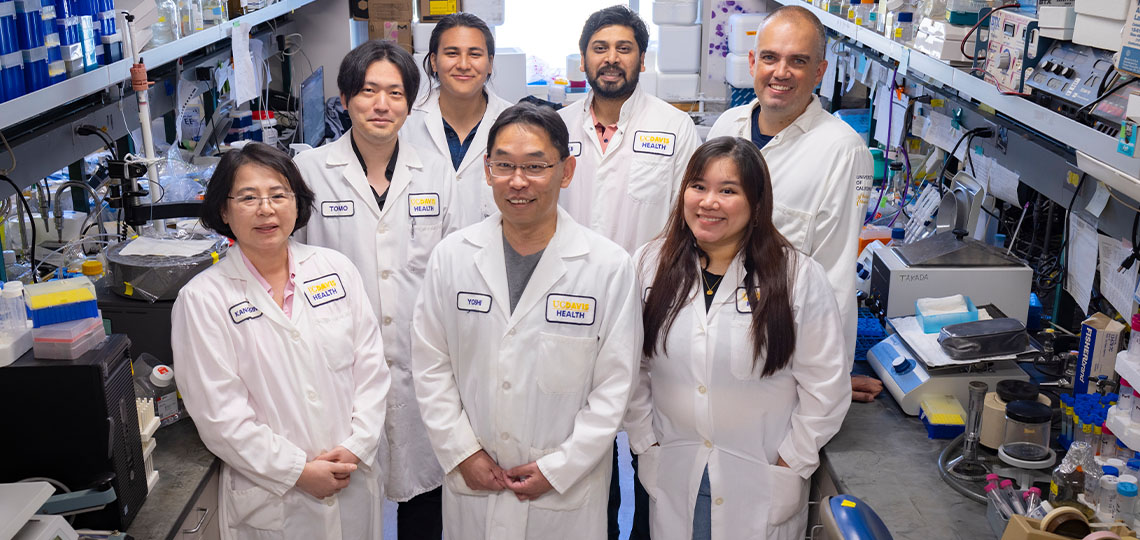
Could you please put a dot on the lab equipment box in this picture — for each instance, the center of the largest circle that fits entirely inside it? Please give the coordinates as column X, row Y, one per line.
column 75, row 421
column 1101, row 339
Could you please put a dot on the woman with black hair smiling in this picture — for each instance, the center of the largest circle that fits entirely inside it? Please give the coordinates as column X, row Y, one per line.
column 280, row 363
column 743, row 377
column 452, row 120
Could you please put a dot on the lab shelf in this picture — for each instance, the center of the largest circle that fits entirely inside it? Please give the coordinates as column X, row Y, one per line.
column 28, row 106
column 1055, row 126
column 1119, row 422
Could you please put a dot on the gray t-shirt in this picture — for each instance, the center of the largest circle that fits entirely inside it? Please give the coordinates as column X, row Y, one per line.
column 519, row 270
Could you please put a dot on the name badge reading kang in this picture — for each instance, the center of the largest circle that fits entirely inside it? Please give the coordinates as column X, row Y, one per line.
column 337, row 208
column 654, row 142
column 480, row 303
column 423, row 204
column 742, row 305
column 323, row 290
column 244, row 311
column 567, row 309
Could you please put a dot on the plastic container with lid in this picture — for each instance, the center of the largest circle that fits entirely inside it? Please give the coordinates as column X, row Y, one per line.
column 62, row 300
column 35, row 69
column 904, row 27
column 68, row 340
column 1134, row 337
column 159, row 385
column 93, row 269
column 29, row 24
column 9, row 37
column 1125, row 507
column 1027, row 431
column 1107, row 498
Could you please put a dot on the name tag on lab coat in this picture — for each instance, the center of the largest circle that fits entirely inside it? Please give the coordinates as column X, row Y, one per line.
column 323, row 290
column 576, row 149
column 337, row 208
column 244, row 311
column 742, row 305
column 423, row 204
column 645, row 296
column 480, row 303
column 567, row 309
column 654, row 142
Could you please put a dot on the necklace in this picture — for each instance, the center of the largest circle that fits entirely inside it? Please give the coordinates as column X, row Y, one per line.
column 710, row 289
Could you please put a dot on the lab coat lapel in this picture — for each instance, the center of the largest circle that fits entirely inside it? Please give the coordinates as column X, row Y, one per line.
column 478, row 145
column 342, row 156
column 491, row 262
column 234, row 267
column 567, row 242
column 726, row 293
column 434, row 123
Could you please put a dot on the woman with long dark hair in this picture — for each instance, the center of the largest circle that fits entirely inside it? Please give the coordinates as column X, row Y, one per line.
column 742, row 378
column 452, row 120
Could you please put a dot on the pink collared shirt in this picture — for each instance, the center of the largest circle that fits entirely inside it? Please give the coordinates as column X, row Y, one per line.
column 605, row 133
column 287, row 303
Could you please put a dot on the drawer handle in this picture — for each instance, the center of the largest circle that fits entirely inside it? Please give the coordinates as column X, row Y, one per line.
column 201, row 521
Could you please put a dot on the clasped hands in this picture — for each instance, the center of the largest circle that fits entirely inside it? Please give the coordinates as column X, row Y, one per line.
column 328, row 473
column 480, row 472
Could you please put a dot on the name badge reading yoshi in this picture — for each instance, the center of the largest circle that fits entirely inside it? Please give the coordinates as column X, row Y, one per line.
column 244, row 311
column 337, row 208
column 323, row 290
column 423, row 204
column 576, row 149
column 480, row 303
column 742, row 305
column 654, row 142
column 567, row 309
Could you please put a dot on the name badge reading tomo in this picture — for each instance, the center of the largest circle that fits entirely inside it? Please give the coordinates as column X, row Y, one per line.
column 480, row 303
column 323, row 290
column 423, row 204
column 244, row 311
column 337, row 208
column 576, row 149
column 567, row 309
column 742, row 305
column 654, row 142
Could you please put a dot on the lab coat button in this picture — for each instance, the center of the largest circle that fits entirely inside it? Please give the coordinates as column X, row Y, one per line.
column 383, row 229
column 385, row 274
column 295, row 335
column 312, row 396
column 505, row 436
column 330, row 501
column 511, row 332
column 506, row 386
column 388, row 359
column 719, row 501
column 702, row 389
column 708, row 444
column 387, row 320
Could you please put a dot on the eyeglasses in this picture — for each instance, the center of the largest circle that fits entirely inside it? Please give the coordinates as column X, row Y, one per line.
column 251, row 202
column 504, row 169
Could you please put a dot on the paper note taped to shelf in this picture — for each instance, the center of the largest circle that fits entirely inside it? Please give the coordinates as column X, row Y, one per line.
column 244, row 80
column 166, row 247
column 1081, row 258
column 1116, row 285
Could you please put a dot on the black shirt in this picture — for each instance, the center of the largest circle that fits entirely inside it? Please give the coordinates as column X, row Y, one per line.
column 458, row 148
column 381, row 198
column 711, row 283
column 759, row 139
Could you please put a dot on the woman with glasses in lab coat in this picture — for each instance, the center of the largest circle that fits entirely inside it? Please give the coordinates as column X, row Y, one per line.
column 280, row 363
column 743, row 374
column 452, row 120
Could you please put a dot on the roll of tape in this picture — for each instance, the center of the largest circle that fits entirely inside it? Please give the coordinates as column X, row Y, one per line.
column 1066, row 521
column 1102, row 535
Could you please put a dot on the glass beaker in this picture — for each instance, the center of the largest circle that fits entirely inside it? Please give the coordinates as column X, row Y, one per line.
column 1027, row 430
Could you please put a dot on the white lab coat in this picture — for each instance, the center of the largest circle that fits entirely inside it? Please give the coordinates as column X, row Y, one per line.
column 821, row 178
column 627, row 193
column 391, row 249
column 269, row 393
column 523, row 386
column 705, row 403
column 424, row 130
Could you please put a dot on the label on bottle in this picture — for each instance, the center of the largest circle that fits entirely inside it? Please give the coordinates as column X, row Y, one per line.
column 898, row 33
column 166, row 407
column 1053, row 489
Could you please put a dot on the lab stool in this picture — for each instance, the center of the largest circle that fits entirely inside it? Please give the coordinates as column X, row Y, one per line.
column 845, row 517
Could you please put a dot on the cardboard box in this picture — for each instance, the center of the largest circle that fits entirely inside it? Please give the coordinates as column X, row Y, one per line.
column 389, row 10
column 434, row 10
column 397, row 31
column 1129, row 59
column 1101, row 339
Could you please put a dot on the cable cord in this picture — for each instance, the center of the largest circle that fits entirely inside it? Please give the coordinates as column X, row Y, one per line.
column 28, row 209
column 978, row 24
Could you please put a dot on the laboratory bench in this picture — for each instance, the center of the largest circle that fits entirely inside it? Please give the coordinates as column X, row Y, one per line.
column 884, row 458
column 187, row 474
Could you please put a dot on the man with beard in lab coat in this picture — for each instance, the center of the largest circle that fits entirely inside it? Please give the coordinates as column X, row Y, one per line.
column 821, row 169
column 525, row 344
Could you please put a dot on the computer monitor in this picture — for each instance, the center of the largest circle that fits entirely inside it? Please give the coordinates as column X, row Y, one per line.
column 313, row 108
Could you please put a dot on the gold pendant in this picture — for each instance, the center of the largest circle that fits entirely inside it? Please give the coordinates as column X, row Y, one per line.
column 709, row 292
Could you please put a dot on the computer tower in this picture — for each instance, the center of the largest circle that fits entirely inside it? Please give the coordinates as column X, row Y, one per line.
column 75, row 421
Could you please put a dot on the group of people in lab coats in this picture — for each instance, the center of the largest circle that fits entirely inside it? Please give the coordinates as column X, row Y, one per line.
column 458, row 303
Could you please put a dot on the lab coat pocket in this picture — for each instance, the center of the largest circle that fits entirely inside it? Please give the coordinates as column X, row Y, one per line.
column 565, row 362
column 457, row 485
column 423, row 241
column 795, row 225
column 647, row 468
column 336, row 341
column 743, row 363
column 649, row 180
column 574, row 497
column 787, row 495
column 250, row 505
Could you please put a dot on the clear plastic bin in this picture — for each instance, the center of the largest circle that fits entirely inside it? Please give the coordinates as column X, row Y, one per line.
column 932, row 324
column 67, row 340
